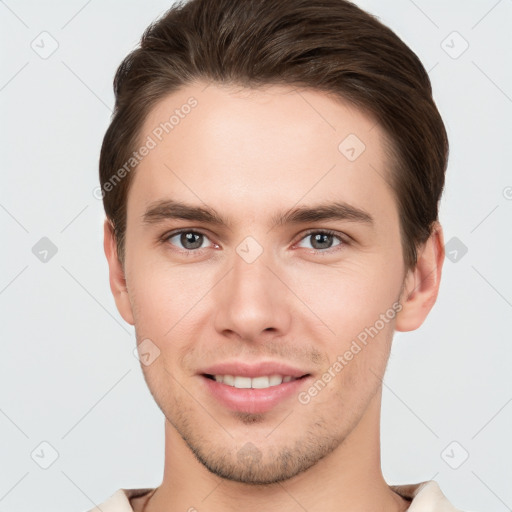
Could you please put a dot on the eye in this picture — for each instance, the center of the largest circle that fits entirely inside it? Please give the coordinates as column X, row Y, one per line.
column 188, row 240
column 321, row 240
column 192, row 241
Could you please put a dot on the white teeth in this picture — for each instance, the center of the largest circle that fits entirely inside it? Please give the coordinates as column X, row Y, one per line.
column 275, row 380
column 228, row 379
column 243, row 382
column 262, row 382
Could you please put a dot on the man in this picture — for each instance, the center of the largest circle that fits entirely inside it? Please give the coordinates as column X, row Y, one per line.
column 271, row 180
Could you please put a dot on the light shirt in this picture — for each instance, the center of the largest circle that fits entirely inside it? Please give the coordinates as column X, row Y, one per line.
column 424, row 497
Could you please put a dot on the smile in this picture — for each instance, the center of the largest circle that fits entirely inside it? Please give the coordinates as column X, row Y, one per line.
column 262, row 382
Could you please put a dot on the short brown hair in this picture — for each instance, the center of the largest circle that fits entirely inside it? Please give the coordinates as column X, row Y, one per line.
column 325, row 45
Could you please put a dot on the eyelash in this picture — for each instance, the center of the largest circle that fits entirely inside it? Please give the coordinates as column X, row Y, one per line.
column 193, row 252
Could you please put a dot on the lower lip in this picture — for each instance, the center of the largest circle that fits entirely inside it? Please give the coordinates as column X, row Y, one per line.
column 253, row 401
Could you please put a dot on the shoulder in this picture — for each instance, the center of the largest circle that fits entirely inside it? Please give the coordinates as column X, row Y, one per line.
column 120, row 501
column 425, row 497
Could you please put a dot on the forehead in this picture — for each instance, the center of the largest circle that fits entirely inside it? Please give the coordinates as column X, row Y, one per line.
column 251, row 150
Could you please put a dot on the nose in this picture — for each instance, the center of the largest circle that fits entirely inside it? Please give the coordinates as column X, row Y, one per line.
column 251, row 302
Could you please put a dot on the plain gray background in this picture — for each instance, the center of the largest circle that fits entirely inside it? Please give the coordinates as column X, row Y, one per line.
column 69, row 378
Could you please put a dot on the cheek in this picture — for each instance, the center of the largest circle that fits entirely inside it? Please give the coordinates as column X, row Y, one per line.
column 348, row 299
column 163, row 295
column 170, row 308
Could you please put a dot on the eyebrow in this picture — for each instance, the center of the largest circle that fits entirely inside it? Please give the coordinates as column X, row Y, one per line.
column 170, row 209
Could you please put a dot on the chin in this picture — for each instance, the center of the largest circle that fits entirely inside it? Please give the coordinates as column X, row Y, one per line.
column 253, row 465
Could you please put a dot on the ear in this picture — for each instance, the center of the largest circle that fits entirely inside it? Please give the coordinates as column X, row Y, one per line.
column 421, row 283
column 116, row 273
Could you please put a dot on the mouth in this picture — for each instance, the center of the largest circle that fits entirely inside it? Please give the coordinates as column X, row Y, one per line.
column 253, row 389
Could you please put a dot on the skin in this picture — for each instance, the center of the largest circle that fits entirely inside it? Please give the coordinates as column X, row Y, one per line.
column 249, row 155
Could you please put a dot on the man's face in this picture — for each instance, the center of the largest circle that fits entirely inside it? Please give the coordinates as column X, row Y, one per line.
column 253, row 298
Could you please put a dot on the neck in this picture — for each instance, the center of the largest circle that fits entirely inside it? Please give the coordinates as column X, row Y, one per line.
column 348, row 479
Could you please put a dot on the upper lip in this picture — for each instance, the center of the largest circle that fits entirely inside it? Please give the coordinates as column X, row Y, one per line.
column 243, row 369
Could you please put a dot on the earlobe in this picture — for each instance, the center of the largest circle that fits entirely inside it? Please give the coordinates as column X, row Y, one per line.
column 422, row 282
column 116, row 274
